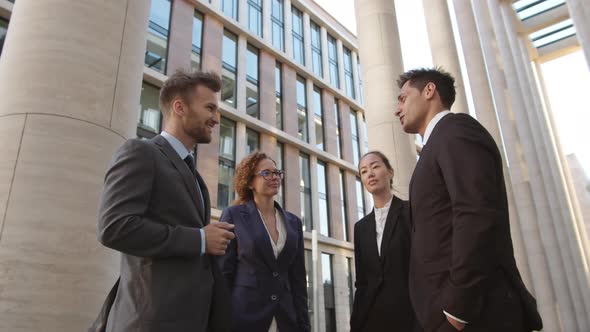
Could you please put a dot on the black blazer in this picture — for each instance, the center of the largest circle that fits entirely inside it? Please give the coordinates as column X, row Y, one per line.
column 381, row 300
column 261, row 286
column 150, row 211
column 462, row 256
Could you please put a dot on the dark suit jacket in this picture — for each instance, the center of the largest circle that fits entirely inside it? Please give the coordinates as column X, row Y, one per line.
column 261, row 286
column 381, row 300
column 150, row 212
column 462, row 257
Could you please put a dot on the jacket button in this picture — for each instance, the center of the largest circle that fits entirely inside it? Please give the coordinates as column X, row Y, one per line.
column 273, row 297
column 275, row 274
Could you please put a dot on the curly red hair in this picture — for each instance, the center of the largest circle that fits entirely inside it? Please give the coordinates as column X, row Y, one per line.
column 245, row 172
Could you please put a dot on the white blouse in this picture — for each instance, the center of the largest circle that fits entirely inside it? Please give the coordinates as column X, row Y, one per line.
column 380, row 220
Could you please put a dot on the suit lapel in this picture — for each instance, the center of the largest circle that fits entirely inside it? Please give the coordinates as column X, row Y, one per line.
column 370, row 239
column 262, row 241
column 290, row 241
column 390, row 225
column 179, row 164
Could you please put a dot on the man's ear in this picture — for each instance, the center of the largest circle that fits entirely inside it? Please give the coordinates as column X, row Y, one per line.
column 429, row 90
column 178, row 107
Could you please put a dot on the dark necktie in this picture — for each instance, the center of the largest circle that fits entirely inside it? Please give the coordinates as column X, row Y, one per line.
column 190, row 162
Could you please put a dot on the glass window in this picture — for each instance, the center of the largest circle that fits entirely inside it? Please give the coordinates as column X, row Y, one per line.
column 305, row 186
column 252, row 105
column 301, row 110
column 343, row 206
column 150, row 118
column 350, row 283
column 298, row 48
column 197, row 41
column 252, row 141
column 333, row 61
column 255, row 17
column 227, row 162
column 230, row 8
column 329, row 298
column 360, row 199
column 337, row 117
column 356, row 153
column 318, row 118
column 279, row 161
column 229, row 68
column 309, row 272
column 157, row 37
column 3, row 30
column 278, row 24
column 323, row 202
column 348, row 78
column 360, row 80
column 316, row 49
column 278, row 95
column 365, row 139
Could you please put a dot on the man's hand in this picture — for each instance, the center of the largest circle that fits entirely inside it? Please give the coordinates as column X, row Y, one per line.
column 456, row 324
column 217, row 237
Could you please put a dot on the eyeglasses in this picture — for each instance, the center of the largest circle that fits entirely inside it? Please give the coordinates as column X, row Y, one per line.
column 268, row 175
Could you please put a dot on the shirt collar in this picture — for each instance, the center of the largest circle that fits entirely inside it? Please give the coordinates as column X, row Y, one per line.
column 433, row 124
column 384, row 208
column 176, row 145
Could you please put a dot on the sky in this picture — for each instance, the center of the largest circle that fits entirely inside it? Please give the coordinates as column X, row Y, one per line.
column 566, row 78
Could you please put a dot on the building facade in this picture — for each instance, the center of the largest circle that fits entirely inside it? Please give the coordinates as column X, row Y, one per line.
column 291, row 88
column 494, row 48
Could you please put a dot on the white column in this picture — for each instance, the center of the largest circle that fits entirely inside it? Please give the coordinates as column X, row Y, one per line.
column 580, row 14
column 288, row 28
column 545, row 217
column 310, row 111
column 307, row 40
column 266, row 21
column 241, row 140
column 243, row 13
column 486, row 115
column 381, row 62
column 325, row 63
column 216, row 4
column 443, row 48
column 241, row 74
column 355, row 76
column 340, row 49
column 527, row 213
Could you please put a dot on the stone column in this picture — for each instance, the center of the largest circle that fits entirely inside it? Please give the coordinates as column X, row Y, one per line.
column 288, row 28
column 539, row 193
column 266, row 86
column 486, row 115
column 66, row 107
column 580, row 14
column 307, row 41
column 325, row 63
column 381, row 63
column 335, row 211
column 267, row 21
column 443, row 47
column 181, row 36
column 340, row 50
column 355, row 77
column 243, row 13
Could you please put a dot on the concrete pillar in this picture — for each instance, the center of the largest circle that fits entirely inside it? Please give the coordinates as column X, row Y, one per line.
column 289, row 95
column 292, row 180
column 181, row 34
column 345, row 132
column 60, row 123
column 315, row 197
column 381, row 63
column 351, row 206
column 355, row 76
column 340, row 50
column 536, row 250
column 242, row 49
column 330, row 139
column 325, row 61
column 545, row 218
column 243, row 13
column 310, row 112
column 208, row 154
column 443, row 47
column 266, row 87
column 266, row 21
column 241, row 139
column 288, row 28
column 486, row 115
column 268, row 145
column 580, row 14
column 307, row 41
column 334, row 209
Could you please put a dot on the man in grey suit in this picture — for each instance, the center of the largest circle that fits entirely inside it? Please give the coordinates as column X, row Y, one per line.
column 155, row 210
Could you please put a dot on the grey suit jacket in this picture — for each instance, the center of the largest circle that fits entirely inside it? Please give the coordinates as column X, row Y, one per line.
column 150, row 212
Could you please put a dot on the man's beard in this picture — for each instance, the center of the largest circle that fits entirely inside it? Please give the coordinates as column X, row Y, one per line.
column 200, row 135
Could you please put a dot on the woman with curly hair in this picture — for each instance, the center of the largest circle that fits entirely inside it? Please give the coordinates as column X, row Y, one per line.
column 264, row 265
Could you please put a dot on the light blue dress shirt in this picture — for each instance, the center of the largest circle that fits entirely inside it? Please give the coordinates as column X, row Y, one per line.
column 183, row 152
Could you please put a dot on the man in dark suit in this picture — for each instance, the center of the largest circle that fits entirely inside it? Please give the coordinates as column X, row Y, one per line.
column 463, row 275
column 155, row 210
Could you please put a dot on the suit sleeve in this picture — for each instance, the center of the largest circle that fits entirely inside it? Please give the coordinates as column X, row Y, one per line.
column 298, row 280
column 472, row 171
column 123, row 223
column 360, row 281
column 228, row 262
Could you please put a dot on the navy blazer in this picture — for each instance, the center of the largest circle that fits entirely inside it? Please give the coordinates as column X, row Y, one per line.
column 262, row 286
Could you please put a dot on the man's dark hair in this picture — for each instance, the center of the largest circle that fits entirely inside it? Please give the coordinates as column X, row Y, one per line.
column 183, row 84
column 445, row 83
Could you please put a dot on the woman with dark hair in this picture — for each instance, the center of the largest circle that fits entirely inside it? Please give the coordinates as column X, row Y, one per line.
column 264, row 265
column 382, row 252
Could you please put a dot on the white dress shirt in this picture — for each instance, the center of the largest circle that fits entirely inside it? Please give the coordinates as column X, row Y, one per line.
column 431, row 125
column 277, row 247
column 380, row 219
